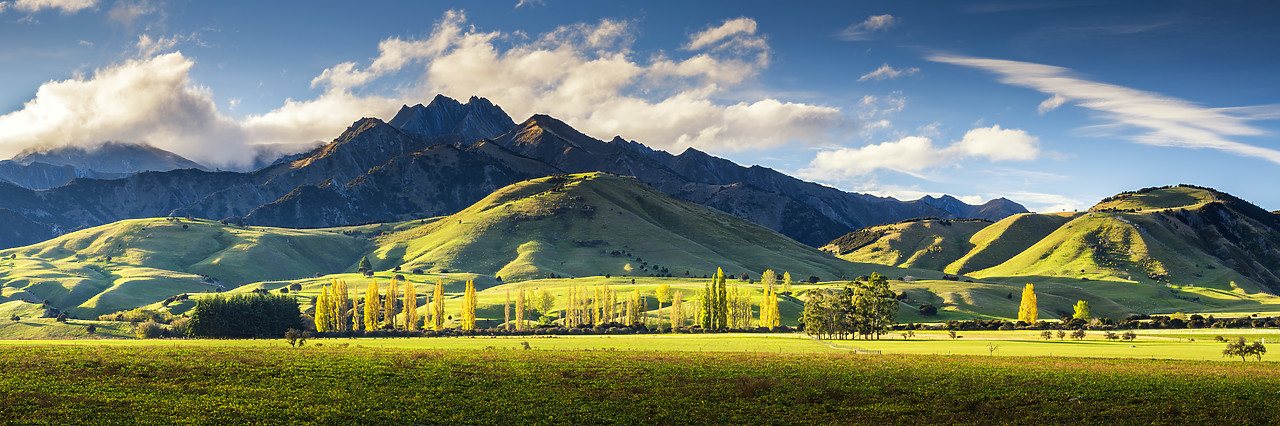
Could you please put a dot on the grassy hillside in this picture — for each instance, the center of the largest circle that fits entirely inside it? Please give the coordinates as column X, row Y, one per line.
column 137, row 262
column 596, row 224
column 1150, row 199
column 926, row 244
column 1003, row 240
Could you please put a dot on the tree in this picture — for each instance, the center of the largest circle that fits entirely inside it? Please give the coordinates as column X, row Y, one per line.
column 1028, row 312
column 928, row 310
column 874, row 307
column 321, row 316
column 1082, row 310
column 786, row 282
column 1078, row 334
column 244, row 315
column 410, row 307
column 506, row 312
column 722, row 302
column 520, row 308
column 1244, row 349
column 1046, row 335
column 1061, row 334
column 371, row 304
column 437, row 306
column 469, row 306
column 663, row 294
column 392, row 305
column 91, row 329
column 15, row 318
column 634, row 313
column 677, row 309
column 543, row 302
column 364, row 265
column 1129, row 335
column 769, row 304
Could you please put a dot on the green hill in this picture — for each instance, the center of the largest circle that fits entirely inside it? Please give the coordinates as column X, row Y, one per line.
column 1139, row 251
column 595, row 224
column 137, row 262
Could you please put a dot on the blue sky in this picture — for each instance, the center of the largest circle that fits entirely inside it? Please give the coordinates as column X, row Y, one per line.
column 1053, row 104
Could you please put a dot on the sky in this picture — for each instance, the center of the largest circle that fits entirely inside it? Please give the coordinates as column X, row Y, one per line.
column 1054, row 105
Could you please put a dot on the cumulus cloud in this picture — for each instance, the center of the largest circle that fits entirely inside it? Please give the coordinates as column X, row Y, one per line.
column 1160, row 120
column 33, row 6
column 887, row 72
column 863, row 30
column 914, row 154
column 152, row 101
column 588, row 76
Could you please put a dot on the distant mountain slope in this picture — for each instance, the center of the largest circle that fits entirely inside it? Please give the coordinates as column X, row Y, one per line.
column 444, row 117
column 1183, row 235
column 596, row 224
column 806, row 211
column 928, row 244
column 56, row 167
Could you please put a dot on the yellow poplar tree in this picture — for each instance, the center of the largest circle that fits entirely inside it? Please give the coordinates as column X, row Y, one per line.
column 663, row 294
column 469, row 306
column 506, row 312
column 371, row 305
column 677, row 309
column 322, row 310
column 410, row 307
column 786, row 282
column 390, row 301
column 1028, row 312
column 437, row 306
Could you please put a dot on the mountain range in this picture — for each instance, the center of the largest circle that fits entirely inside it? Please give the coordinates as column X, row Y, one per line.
column 436, row 159
column 51, row 168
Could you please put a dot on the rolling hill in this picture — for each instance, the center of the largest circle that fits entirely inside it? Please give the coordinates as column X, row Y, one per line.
column 1171, row 237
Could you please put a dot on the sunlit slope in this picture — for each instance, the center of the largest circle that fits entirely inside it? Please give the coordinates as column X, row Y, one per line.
column 928, row 244
column 595, row 224
column 1150, row 199
column 136, row 262
column 1003, row 240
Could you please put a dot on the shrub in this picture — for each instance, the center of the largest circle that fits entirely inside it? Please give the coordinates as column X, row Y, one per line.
column 61, row 318
column 928, row 310
column 91, row 329
column 149, row 330
column 15, row 318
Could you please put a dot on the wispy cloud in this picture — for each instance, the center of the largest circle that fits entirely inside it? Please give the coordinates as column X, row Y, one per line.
column 863, row 30
column 33, row 6
column 1161, row 120
column 887, row 72
column 523, row 3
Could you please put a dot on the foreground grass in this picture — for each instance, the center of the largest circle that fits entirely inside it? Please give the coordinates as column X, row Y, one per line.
column 206, row 384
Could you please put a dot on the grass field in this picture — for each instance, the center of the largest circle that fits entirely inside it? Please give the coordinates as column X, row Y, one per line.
column 210, row 383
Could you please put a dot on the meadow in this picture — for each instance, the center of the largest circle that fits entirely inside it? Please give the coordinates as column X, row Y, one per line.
column 350, row 381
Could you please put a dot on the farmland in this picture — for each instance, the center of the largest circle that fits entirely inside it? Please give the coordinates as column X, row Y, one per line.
column 265, row 381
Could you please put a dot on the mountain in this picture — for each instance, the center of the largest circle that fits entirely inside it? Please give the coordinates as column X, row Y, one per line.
column 1178, row 235
column 44, row 169
column 445, row 117
column 993, row 210
column 594, row 224
column 806, row 211
column 437, row 159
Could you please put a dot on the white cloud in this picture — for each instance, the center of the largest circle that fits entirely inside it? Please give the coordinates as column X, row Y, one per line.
column 1045, row 203
column 914, row 154
column 863, row 30
column 1161, row 120
column 64, row 6
column 523, row 3
column 998, row 144
column 126, row 12
column 153, row 101
column 886, row 72
column 734, row 33
column 586, row 75
column 1052, row 103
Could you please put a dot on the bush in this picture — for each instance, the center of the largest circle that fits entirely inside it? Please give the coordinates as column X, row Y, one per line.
column 91, row 329
column 61, row 318
column 149, row 330
column 928, row 310
column 15, row 318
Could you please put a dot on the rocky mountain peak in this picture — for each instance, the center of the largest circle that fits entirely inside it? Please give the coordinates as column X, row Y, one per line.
column 445, row 117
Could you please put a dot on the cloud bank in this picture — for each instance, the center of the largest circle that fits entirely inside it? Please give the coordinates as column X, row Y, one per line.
column 33, row 6
column 914, row 154
column 1160, row 120
column 585, row 74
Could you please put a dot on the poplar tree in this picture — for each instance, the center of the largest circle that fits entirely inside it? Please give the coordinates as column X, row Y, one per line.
column 705, row 316
column 663, row 294
column 677, row 310
column 722, row 301
column 410, row 307
column 786, row 282
column 342, row 307
column 520, row 307
column 322, row 310
column 1028, row 312
column 506, row 312
column 371, row 305
column 469, row 306
column 769, row 303
column 389, row 301
column 634, row 313
column 437, row 305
